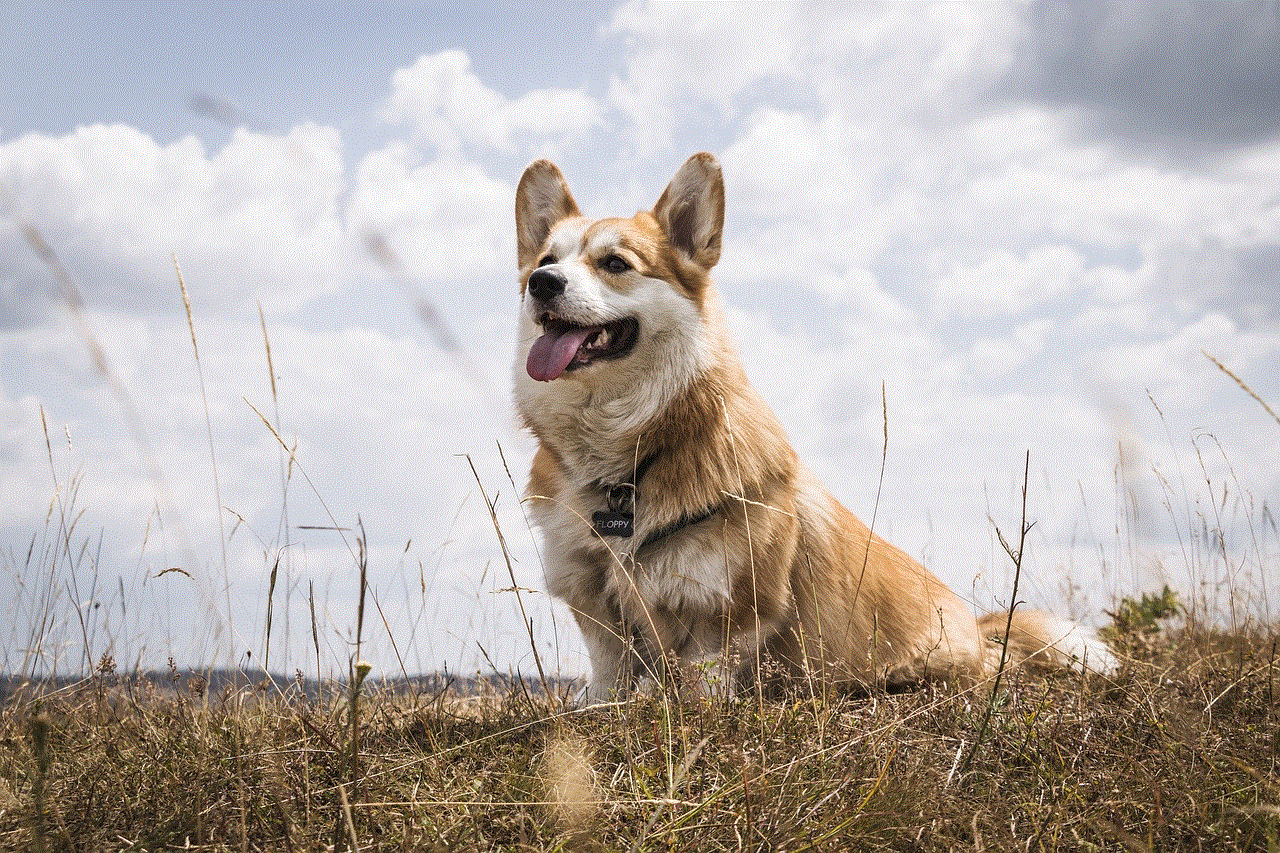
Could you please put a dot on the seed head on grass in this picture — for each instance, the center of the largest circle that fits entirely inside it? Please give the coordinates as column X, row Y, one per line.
column 362, row 669
column 570, row 781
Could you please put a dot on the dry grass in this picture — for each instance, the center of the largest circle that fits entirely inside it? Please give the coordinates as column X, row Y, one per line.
column 1179, row 752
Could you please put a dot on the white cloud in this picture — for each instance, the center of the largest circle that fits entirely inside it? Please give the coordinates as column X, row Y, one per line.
column 257, row 218
column 792, row 157
column 1104, row 200
column 452, row 107
column 890, row 64
column 1004, row 284
column 1173, row 365
column 446, row 219
column 995, row 357
column 681, row 59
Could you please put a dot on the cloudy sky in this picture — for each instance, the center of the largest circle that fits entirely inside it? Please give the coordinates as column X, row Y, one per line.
column 976, row 230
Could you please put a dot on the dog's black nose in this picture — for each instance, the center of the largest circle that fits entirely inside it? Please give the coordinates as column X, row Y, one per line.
column 546, row 284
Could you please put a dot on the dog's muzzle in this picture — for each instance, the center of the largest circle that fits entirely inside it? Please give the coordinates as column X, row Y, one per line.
column 567, row 344
column 546, row 284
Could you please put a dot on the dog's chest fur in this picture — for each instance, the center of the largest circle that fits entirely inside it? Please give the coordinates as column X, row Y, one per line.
column 585, row 450
column 595, row 442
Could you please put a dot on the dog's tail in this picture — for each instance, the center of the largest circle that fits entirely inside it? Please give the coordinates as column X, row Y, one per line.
column 1044, row 640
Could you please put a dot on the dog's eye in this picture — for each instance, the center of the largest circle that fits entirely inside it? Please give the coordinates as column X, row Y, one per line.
column 614, row 264
column 546, row 259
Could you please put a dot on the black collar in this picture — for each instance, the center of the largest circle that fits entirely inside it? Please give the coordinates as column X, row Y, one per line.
column 619, row 518
column 687, row 521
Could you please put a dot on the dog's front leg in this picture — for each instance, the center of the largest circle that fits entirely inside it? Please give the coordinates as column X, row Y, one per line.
column 683, row 652
column 713, row 669
column 614, row 662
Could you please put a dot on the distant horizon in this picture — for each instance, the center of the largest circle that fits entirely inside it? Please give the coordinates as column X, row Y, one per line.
column 10, row 683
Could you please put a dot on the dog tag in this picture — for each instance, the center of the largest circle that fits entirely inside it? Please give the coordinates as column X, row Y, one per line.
column 609, row 523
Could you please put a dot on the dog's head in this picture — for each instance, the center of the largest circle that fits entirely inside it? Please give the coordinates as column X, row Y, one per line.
column 611, row 299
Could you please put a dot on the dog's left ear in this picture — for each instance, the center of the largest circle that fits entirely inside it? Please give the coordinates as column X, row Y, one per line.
column 542, row 200
column 691, row 210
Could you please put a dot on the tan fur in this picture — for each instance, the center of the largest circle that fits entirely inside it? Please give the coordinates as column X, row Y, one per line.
column 781, row 569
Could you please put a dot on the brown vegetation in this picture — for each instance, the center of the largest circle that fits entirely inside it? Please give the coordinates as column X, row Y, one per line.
column 1181, row 751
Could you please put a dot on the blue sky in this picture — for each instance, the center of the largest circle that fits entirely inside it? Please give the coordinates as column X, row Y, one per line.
column 139, row 63
column 1026, row 223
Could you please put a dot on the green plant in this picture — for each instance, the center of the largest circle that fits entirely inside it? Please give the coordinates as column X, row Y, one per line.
column 1137, row 622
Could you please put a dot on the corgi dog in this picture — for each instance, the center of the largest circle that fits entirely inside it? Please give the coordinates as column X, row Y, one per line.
column 679, row 526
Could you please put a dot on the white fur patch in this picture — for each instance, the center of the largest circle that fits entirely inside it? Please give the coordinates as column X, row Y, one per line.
column 1081, row 644
column 688, row 578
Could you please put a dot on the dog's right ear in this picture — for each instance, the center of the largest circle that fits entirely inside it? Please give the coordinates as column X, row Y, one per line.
column 542, row 200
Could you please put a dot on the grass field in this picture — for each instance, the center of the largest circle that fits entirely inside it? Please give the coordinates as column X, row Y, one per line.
column 1181, row 751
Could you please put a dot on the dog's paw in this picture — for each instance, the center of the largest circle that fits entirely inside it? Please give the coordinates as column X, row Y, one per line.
column 595, row 694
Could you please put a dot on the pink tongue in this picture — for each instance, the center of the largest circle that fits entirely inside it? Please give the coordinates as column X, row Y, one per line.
column 550, row 354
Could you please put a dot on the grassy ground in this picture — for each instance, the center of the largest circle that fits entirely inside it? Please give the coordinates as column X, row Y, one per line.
column 1179, row 752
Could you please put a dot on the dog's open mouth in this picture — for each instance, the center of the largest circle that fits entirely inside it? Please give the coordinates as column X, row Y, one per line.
column 566, row 346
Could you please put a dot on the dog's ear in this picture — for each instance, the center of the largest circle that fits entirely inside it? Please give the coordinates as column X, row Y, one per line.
column 542, row 200
column 691, row 210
